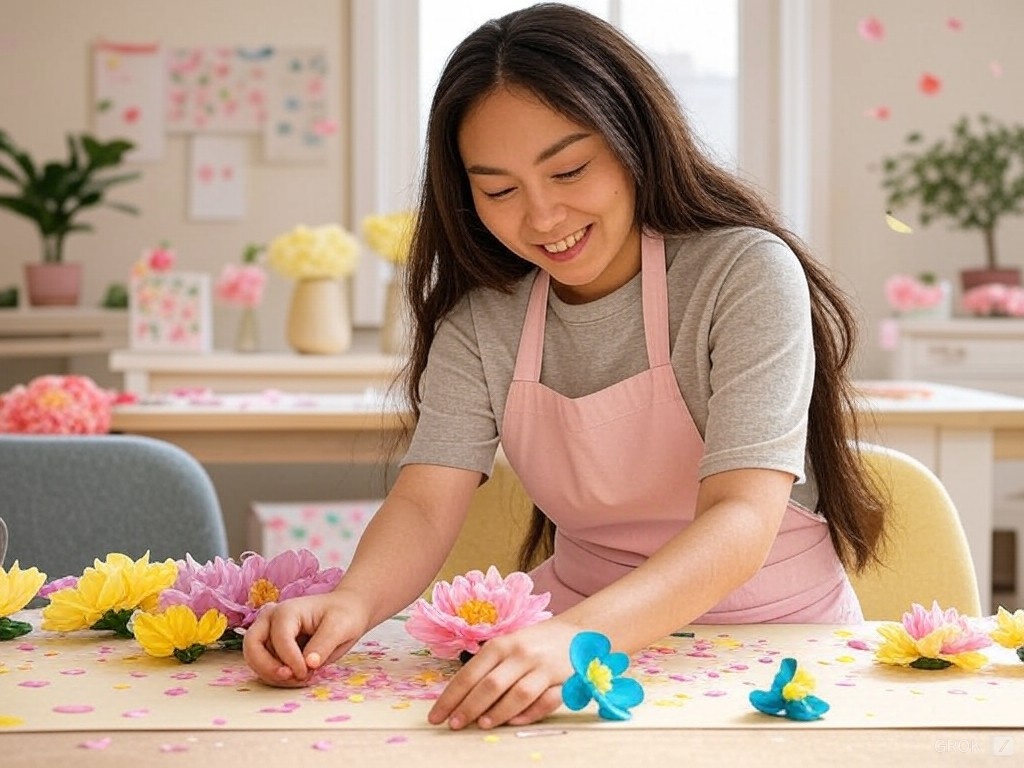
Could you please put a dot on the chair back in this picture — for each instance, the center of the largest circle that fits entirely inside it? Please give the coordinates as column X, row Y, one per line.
column 926, row 557
column 68, row 500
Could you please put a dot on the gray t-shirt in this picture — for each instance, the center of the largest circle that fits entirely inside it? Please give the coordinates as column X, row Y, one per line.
column 741, row 348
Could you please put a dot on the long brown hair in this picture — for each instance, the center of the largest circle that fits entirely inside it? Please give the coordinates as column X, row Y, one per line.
column 586, row 70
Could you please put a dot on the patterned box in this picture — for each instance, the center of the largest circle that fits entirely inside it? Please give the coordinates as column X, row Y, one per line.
column 170, row 311
column 330, row 529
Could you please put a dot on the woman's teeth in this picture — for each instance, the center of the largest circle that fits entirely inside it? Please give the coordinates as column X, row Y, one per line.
column 566, row 243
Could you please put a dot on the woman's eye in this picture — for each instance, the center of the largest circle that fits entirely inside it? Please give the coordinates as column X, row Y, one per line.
column 499, row 194
column 573, row 173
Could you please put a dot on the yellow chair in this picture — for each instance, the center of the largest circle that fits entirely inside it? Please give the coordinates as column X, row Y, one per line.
column 926, row 556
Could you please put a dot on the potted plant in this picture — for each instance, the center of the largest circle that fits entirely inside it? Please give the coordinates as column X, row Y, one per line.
column 974, row 178
column 53, row 195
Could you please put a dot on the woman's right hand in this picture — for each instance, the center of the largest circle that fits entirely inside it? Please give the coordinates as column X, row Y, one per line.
column 291, row 639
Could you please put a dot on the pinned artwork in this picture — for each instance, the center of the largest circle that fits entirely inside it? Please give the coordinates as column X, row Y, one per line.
column 298, row 124
column 129, row 97
column 216, row 89
column 217, row 178
column 170, row 312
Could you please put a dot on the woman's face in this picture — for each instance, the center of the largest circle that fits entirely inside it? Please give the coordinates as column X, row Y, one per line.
column 553, row 192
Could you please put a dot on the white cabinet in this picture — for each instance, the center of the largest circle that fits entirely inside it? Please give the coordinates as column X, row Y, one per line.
column 982, row 353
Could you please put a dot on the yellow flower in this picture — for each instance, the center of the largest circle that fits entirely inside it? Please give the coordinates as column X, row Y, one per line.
column 177, row 632
column 902, row 649
column 1010, row 633
column 799, row 687
column 17, row 587
column 390, row 235
column 117, row 585
column 327, row 251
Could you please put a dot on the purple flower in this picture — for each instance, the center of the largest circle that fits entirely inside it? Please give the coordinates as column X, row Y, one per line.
column 64, row 582
column 239, row 591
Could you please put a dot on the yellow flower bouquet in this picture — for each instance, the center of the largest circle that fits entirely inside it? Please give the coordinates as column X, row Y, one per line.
column 390, row 235
column 326, row 251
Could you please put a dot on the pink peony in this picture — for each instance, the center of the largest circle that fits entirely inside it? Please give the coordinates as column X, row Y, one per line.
column 239, row 591
column 961, row 635
column 57, row 405
column 241, row 284
column 907, row 294
column 473, row 609
column 994, row 299
column 159, row 259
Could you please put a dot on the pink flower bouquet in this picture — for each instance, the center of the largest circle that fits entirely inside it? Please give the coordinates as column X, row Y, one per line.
column 57, row 405
column 241, row 285
column 473, row 609
column 994, row 299
column 907, row 294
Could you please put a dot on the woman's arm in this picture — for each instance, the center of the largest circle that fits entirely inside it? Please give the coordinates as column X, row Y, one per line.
column 398, row 556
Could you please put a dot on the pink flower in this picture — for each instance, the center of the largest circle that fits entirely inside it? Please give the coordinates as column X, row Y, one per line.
column 239, row 591
column 241, row 284
column 159, row 259
column 64, row 582
column 960, row 635
column 907, row 294
column 994, row 299
column 473, row 609
column 57, row 405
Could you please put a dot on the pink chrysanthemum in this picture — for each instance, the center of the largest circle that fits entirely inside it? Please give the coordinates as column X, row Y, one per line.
column 241, row 284
column 933, row 639
column 239, row 591
column 57, row 405
column 473, row 609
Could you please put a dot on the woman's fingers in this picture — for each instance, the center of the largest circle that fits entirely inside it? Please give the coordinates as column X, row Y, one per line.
column 549, row 701
column 526, row 694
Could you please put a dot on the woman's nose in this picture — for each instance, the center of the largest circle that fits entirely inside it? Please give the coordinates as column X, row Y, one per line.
column 544, row 211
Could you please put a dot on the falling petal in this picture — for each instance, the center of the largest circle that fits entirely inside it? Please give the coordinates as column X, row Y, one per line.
column 953, row 24
column 871, row 29
column 896, row 225
column 929, row 84
column 881, row 112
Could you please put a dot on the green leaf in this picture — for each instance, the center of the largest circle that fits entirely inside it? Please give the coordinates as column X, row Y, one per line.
column 11, row 628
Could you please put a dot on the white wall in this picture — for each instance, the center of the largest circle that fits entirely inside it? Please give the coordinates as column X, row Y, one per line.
column 45, row 92
column 863, row 251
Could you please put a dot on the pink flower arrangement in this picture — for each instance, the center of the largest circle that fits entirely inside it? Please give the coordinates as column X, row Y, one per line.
column 994, row 299
column 906, row 293
column 159, row 259
column 239, row 590
column 473, row 609
column 57, row 405
column 241, row 284
column 933, row 639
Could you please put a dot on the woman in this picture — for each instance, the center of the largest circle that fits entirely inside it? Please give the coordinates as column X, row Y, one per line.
column 661, row 361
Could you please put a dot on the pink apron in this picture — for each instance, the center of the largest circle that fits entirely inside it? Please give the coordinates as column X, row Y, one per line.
column 616, row 471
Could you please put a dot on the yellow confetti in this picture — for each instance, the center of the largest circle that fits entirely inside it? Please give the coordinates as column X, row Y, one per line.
column 121, row 686
column 535, row 756
column 845, row 659
column 52, row 653
column 490, row 738
column 682, row 696
column 357, row 698
column 404, row 704
column 321, row 693
column 843, row 633
column 668, row 703
column 358, row 680
column 896, row 225
column 10, row 721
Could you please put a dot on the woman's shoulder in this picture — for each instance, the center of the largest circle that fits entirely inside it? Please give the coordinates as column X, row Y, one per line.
column 727, row 241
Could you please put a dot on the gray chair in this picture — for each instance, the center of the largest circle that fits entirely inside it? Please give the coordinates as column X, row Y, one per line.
column 68, row 500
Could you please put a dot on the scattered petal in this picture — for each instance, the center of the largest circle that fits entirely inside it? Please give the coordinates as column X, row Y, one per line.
column 871, row 29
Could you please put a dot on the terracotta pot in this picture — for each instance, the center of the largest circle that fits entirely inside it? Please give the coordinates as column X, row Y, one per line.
column 49, row 284
column 318, row 317
column 972, row 278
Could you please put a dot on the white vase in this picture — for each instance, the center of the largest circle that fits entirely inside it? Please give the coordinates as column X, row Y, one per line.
column 319, row 322
column 247, row 337
column 394, row 333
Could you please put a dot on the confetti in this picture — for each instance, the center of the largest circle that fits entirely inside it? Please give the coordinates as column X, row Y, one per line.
column 871, row 29
column 323, row 745
column 929, row 84
column 103, row 743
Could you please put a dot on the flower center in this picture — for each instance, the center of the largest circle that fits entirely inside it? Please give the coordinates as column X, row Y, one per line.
column 599, row 675
column 799, row 687
column 478, row 612
column 54, row 399
column 262, row 592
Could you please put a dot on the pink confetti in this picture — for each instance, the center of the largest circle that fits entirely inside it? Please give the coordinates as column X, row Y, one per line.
column 34, row 684
column 715, row 693
column 338, row 718
column 173, row 748
column 73, row 709
column 135, row 714
column 176, row 691
column 323, row 745
column 26, row 647
column 929, row 84
column 860, row 645
column 953, row 24
column 396, row 740
column 995, row 68
column 871, row 29
column 880, row 112
column 103, row 743
column 72, row 671
column 219, row 721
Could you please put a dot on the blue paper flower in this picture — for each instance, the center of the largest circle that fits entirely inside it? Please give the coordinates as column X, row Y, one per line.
column 597, row 677
column 790, row 695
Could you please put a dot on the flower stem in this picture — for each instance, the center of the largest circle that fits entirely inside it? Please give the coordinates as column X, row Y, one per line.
column 928, row 663
column 190, row 654
column 116, row 621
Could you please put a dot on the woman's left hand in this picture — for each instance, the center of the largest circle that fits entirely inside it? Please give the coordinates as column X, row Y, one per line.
column 515, row 679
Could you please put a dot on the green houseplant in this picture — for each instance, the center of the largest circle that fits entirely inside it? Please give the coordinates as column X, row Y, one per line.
column 53, row 195
column 974, row 178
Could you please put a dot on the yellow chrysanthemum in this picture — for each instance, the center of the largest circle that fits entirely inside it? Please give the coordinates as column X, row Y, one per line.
column 1010, row 631
column 390, row 235
column 314, row 252
column 116, row 584
column 799, row 687
column 178, row 632
column 901, row 649
column 17, row 587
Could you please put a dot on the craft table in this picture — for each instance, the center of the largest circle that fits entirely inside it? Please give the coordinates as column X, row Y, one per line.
column 94, row 699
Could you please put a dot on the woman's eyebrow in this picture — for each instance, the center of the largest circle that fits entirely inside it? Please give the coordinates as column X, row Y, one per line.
column 545, row 154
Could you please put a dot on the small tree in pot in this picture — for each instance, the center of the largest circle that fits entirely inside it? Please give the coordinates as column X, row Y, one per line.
column 974, row 178
column 54, row 194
